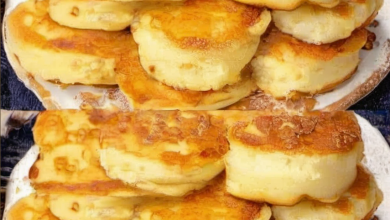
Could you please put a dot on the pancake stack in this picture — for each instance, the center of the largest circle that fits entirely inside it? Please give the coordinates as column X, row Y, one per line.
column 101, row 164
column 193, row 54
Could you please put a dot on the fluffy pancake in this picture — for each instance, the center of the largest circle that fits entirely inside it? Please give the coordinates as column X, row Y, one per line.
column 166, row 152
column 289, row 4
column 95, row 14
column 291, row 157
column 212, row 202
column 317, row 25
column 54, row 52
column 145, row 92
column 284, row 64
column 359, row 202
column 69, row 161
column 198, row 45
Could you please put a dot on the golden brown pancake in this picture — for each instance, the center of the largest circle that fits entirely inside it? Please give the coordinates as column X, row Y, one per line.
column 317, row 25
column 70, row 207
column 199, row 45
column 53, row 52
column 57, row 53
column 359, row 202
column 93, row 14
column 212, row 202
column 145, row 92
column 291, row 157
column 69, row 159
column 166, row 152
column 284, row 65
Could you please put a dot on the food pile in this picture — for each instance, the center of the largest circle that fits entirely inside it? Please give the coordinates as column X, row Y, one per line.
column 99, row 164
column 189, row 55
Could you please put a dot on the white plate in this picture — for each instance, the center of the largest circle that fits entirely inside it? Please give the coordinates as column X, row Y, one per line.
column 375, row 64
column 377, row 160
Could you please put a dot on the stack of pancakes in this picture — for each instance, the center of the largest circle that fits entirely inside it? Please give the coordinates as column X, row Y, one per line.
column 99, row 164
column 192, row 54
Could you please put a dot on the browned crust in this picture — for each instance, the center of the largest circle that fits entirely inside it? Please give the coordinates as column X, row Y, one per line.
column 276, row 41
column 100, row 43
column 148, row 93
column 204, row 134
column 98, row 188
column 211, row 202
column 192, row 25
column 265, row 102
column 208, row 203
column 320, row 133
column 361, row 185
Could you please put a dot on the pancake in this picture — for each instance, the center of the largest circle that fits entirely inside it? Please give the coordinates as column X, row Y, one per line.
column 289, row 4
column 71, row 207
column 96, row 14
column 285, row 65
column 69, row 161
column 166, row 152
column 116, row 153
column 359, row 202
column 317, row 25
column 144, row 92
column 32, row 207
column 212, row 202
column 53, row 52
column 199, row 45
column 288, row 158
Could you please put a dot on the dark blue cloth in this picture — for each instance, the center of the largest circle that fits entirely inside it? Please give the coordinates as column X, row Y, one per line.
column 14, row 95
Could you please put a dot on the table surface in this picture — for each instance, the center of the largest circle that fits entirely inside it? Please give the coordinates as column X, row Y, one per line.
column 375, row 107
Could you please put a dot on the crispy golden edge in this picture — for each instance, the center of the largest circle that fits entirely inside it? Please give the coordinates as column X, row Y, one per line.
column 31, row 18
column 191, row 24
column 148, row 93
column 274, row 43
column 204, row 204
column 323, row 133
column 203, row 133
column 100, row 43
